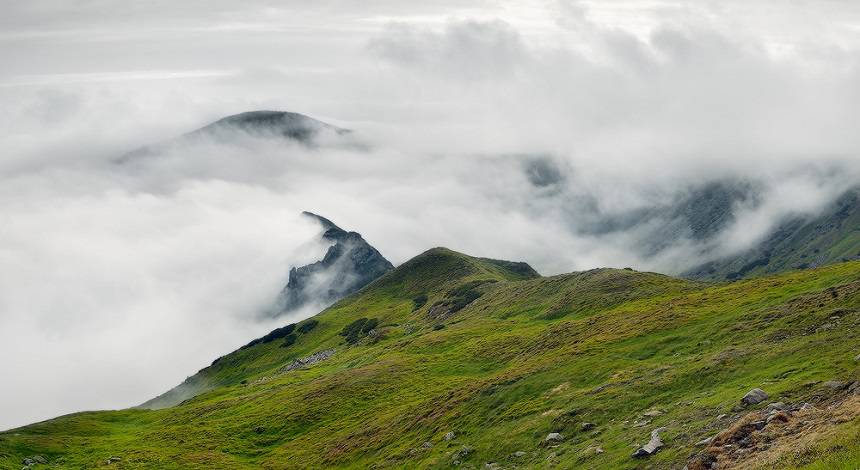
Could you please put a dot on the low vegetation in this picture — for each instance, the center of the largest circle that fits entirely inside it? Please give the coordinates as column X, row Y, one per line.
column 569, row 371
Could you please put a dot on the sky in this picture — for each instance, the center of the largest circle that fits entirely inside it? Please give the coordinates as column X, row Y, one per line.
column 512, row 130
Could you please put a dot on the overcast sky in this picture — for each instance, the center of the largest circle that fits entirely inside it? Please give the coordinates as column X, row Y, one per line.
column 115, row 284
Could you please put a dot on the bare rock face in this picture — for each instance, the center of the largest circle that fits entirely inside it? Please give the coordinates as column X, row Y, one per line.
column 349, row 264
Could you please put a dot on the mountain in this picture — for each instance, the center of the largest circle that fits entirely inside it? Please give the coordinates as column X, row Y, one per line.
column 348, row 265
column 797, row 243
column 454, row 360
column 279, row 124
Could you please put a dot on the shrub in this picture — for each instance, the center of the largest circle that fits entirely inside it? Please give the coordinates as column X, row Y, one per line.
column 308, row 325
column 289, row 340
column 419, row 302
column 277, row 333
column 357, row 329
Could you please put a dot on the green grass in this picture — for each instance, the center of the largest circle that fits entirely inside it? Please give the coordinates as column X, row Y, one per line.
column 528, row 356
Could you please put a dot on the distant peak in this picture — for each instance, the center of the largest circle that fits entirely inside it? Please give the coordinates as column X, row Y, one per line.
column 326, row 223
column 293, row 125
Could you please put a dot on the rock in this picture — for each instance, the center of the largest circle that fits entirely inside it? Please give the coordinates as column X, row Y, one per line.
column 518, row 453
column 427, row 444
column 587, row 426
column 449, row 436
column 807, row 406
column 777, row 406
column 721, row 416
column 491, row 465
column 759, row 425
column 598, row 450
column 835, row 384
column 553, row 437
column 652, row 413
column 28, row 461
column 113, row 460
column 652, row 446
column 639, row 424
column 754, row 397
column 857, row 357
column 706, row 441
column 39, row 459
column 349, row 264
column 461, row 454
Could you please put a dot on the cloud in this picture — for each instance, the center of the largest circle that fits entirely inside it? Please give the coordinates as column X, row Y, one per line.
column 570, row 137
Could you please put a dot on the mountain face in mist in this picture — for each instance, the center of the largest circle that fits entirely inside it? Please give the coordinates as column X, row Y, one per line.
column 349, row 264
column 798, row 243
column 255, row 124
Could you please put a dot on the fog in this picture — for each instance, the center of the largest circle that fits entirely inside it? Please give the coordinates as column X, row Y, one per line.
column 557, row 133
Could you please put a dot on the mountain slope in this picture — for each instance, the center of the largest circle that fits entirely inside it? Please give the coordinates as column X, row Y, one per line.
column 349, row 264
column 799, row 243
column 500, row 358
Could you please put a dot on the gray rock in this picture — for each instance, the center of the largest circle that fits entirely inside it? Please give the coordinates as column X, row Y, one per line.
column 835, row 384
column 553, row 437
column 706, row 441
column 778, row 406
column 518, row 453
column 449, row 436
column 587, row 426
column 807, row 406
column 652, row 446
column 754, row 397
column 652, row 413
column 491, row 466
column 721, row 416
column 113, row 460
column 598, row 450
column 461, row 454
column 857, row 357
column 427, row 444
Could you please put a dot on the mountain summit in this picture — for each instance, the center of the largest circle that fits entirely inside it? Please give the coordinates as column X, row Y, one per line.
column 348, row 265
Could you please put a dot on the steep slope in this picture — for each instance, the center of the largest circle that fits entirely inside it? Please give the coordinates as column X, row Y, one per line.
column 451, row 359
column 349, row 264
column 799, row 243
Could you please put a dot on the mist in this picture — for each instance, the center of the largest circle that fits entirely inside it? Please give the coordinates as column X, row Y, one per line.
column 555, row 133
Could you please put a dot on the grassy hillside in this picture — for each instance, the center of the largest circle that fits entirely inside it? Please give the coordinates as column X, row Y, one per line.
column 800, row 243
column 499, row 358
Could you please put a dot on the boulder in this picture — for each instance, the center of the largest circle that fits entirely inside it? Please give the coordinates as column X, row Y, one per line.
column 652, row 446
column 754, row 397
column 553, row 437
column 449, row 436
column 778, row 406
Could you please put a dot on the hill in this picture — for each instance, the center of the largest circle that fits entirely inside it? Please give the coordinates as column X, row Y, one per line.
column 454, row 360
column 798, row 243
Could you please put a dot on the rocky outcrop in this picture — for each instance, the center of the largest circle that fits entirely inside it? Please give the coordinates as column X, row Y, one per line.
column 349, row 264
